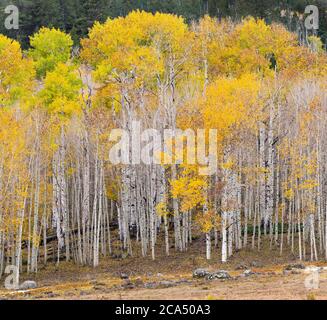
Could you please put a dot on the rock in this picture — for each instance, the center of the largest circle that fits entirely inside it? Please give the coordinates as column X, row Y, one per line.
column 183, row 281
column 69, row 294
column 290, row 267
column 150, row 285
column 220, row 274
column 124, row 276
column 53, row 295
column 28, row 285
column 248, row 273
column 127, row 284
column 200, row 273
column 256, row 264
column 241, row 266
column 299, row 266
column 167, row 284
column 159, row 275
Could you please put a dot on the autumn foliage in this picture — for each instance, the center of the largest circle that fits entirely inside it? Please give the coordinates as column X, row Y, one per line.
column 263, row 92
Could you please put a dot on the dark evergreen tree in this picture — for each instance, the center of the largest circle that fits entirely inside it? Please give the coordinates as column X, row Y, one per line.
column 76, row 16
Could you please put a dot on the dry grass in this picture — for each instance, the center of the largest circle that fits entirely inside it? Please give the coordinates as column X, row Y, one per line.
column 72, row 282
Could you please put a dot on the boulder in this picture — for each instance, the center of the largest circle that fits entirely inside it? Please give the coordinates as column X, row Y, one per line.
column 248, row 273
column 290, row 267
column 127, row 284
column 124, row 276
column 150, row 285
column 220, row 274
column 167, row 284
column 182, row 281
column 52, row 295
column 200, row 273
column 27, row 285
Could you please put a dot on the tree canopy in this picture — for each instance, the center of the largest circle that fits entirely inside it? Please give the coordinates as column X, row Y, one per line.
column 76, row 16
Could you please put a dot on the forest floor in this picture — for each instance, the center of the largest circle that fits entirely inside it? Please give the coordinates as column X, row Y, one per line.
column 171, row 278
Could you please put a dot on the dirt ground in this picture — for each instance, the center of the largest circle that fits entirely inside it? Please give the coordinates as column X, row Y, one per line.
column 170, row 278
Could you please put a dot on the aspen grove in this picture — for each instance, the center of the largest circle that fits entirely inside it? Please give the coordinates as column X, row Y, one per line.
column 264, row 91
